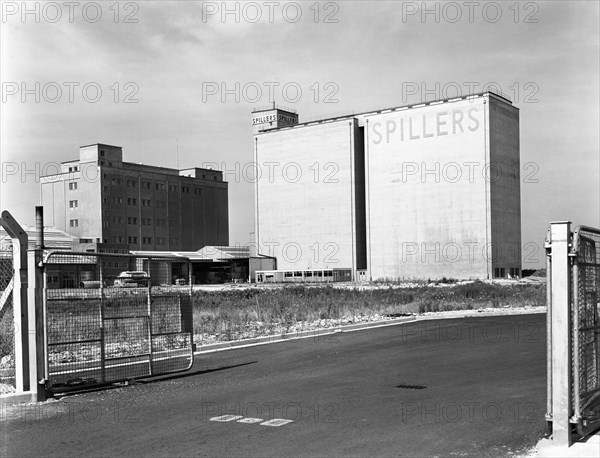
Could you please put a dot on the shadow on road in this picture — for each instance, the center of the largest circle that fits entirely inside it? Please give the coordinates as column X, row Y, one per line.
column 145, row 381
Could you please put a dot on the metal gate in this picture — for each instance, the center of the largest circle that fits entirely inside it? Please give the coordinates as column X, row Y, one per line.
column 586, row 328
column 115, row 317
column 7, row 325
column 573, row 326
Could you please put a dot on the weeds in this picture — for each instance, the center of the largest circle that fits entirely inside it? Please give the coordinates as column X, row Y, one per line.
column 243, row 311
column 253, row 312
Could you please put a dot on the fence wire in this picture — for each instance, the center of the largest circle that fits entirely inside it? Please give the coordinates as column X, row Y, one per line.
column 115, row 317
column 586, row 337
column 7, row 324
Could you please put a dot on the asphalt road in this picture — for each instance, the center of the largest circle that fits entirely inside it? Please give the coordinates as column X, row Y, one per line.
column 470, row 387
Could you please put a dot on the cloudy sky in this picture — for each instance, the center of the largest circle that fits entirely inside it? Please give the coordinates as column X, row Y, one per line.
column 158, row 65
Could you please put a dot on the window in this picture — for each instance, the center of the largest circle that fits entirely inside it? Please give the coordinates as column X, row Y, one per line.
column 117, row 219
column 74, row 223
column 117, row 200
column 146, row 202
column 102, row 152
column 131, row 239
column 198, row 191
column 131, row 201
column 146, row 240
column 146, row 221
column 160, row 240
column 132, row 183
column 160, row 186
column 173, row 188
column 131, row 220
column 72, row 204
column 116, row 181
column 72, row 185
column 145, row 185
column 85, row 240
column 185, row 189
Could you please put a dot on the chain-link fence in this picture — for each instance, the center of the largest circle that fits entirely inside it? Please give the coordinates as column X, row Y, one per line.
column 7, row 325
column 113, row 317
column 586, row 328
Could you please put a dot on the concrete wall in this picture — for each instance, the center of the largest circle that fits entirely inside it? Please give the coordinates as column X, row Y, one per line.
column 427, row 197
column 305, row 207
column 505, row 195
column 255, row 264
column 56, row 196
column 427, row 191
column 185, row 213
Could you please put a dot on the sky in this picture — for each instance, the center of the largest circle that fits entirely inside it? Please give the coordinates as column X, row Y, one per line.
column 174, row 84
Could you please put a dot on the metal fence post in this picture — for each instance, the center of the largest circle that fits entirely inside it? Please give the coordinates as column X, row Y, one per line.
column 100, row 266
column 548, row 246
column 20, row 241
column 149, row 311
column 36, row 325
column 560, row 235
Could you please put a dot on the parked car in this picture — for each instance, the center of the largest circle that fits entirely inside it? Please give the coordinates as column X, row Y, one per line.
column 132, row 279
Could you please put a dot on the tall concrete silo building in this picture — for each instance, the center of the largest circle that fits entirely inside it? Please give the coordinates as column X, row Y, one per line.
column 423, row 191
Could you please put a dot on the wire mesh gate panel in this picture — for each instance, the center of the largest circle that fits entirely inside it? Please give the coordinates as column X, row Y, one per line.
column 112, row 317
column 7, row 324
column 586, row 328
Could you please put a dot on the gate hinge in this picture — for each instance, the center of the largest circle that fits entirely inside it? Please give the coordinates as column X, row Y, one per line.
column 575, row 420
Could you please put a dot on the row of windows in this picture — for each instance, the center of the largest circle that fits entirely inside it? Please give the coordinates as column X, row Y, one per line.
column 145, row 240
column 133, row 201
column 326, row 273
column 132, row 183
column 145, row 185
column 145, row 221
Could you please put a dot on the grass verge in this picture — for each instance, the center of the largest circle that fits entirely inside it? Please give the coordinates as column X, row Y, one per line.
column 230, row 315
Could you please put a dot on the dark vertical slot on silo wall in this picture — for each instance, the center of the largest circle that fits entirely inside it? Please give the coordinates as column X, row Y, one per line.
column 359, row 198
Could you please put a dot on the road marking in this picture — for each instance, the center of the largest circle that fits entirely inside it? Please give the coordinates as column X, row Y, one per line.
column 276, row 422
column 250, row 420
column 224, row 418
